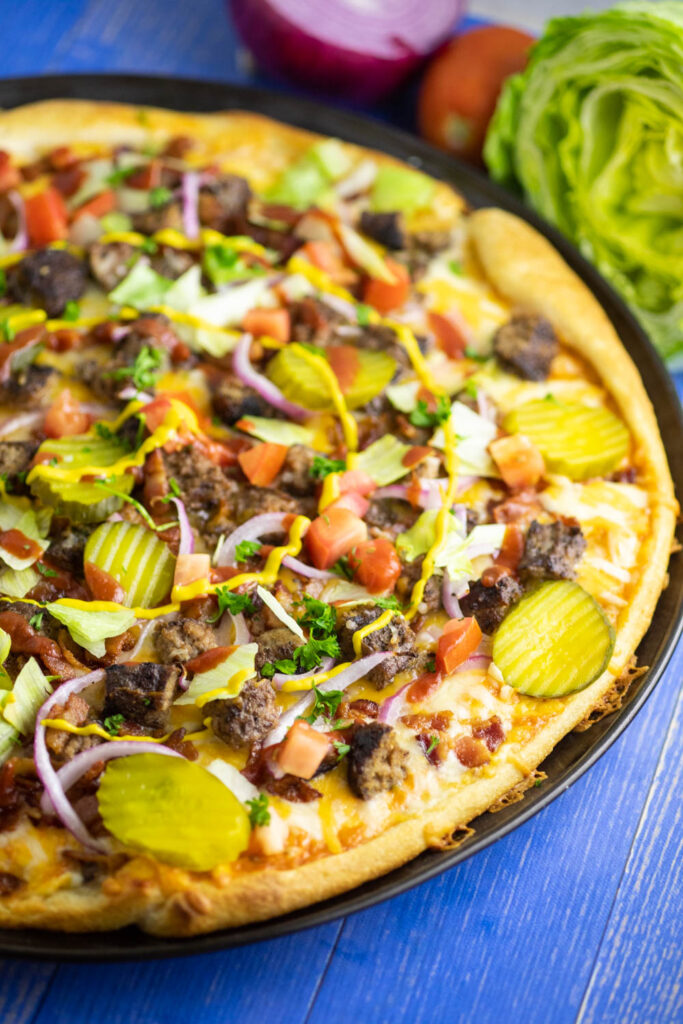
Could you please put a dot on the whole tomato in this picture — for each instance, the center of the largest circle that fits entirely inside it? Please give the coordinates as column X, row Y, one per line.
column 462, row 84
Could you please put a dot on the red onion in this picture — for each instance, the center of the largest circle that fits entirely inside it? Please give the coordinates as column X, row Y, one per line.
column 258, row 526
column 240, row 629
column 47, row 774
column 431, row 494
column 349, row 675
column 392, row 706
column 24, row 421
column 20, row 240
column 358, row 50
column 130, row 393
column 241, row 364
column 475, row 661
column 186, row 546
column 359, row 180
column 75, row 769
column 465, row 482
column 190, row 203
column 279, row 678
column 449, row 601
column 307, row 570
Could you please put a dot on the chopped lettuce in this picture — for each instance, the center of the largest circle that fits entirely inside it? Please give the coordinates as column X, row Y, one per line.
column 403, row 396
column 456, row 552
column 228, row 678
column 143, row 288
column 18, row 582
column 31, row 689
column 5, row 646
column 280, row 613
column 474, row 435
column 399, row 188
column 228, row 308
column 308, row 179
column 590, row 134
column 383, row 460
column 91, row 628
column 276, row 431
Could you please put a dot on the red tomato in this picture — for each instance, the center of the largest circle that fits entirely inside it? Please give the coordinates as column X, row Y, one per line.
column 332, row 535
column 375, row 564
column 519, row 461
column 462, row 84
column 65, row 417
column 450, row 336
column 189, row 568
column 353, row 501
column 46, row 218
column 273, row 322
column 103, row 203
column 383, row 296
column 155, row 413
column 459, row 639
column 328, row 257
column 146, row 177
column 303, row 750
column 356, row 480
column 262, row 463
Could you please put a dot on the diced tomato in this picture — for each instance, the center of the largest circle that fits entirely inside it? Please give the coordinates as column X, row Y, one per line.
column 303, row 750
column 519, row 461
column 459, row 639
column 375, row 564
column 221, row 454
column 9, row 175
column 385, row 297
column 332, row 535
column 356, row 480
column 355, row 502
column 46, row 218
column 275, row 323
column 98, row 206
column 328, row 257
column 65, row 417
column 262, row 463
column 189, row 568
column 155, row 412
column 450, row 336
column 513, row 547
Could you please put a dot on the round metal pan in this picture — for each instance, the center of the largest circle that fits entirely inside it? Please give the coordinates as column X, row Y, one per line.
column 577, row 751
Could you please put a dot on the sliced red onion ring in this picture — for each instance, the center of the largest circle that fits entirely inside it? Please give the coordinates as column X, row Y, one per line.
column 241, row 364
column 20, row 240
column 279, row 678
column 359, row 180
column 130, row 393
column 431, row 494
column 307, row 570
column 186, row 546
column 70, row 773
column 341, row 306
column 475, row 661
column 465, row 482
column 24, row 421
column 258, row 526
column 47, row 774
column 241, row 634
column 190, row 202
column 392, row 706
column 343, row 679
column 449, row 601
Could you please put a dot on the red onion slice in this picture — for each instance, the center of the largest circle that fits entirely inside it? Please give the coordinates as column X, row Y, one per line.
column 240, row 629
column 241, row 364
column 343, row 679
column 190, row 203
column 280, row 677
column 186, row 546
column 258, row 526
column 307, row 570
column 70, row 773
column 24, row 421
column 20, row 240
column 392, row 706
column 47, row 774
column 449, row 601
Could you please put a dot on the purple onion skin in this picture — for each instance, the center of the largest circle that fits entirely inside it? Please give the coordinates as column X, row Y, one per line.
column 292, row 54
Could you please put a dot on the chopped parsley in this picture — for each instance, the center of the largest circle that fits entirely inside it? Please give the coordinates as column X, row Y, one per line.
column 258, row 810
column 36, row 620
column 143, row 373
column 119, row 175
column 246, row 548
column 455, row 267
column 322, row 467
column 435, row 740
column 229, row 601
column 103, row 431
column 325, row 705
column 471, row 389
column 113, row 723
column 472, row 353
column 421, row 416
column 431, row 665
column 363, row 314
column 341, row 748
column 44, row 570
column 342, row 567
column 391, row 603
column 6, row 330
column 159, row 196
column 72, row 311
column 319, row 617
column 149, row 246
column 305, row 658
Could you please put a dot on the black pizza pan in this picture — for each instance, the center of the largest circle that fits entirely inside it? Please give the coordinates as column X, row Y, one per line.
column 577, row 751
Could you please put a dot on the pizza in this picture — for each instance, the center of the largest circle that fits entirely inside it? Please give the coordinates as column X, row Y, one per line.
column 329, row 506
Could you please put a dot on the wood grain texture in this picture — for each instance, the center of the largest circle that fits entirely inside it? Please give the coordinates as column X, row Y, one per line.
column 576, row 913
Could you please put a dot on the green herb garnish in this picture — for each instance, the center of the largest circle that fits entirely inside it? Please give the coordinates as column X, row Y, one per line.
column 143, row 373
column 258, row 810
column 363, row 314
column 36, row 620
column 119, row 175
column 246, row 548
column 322, row 467
column 159, row 196
column 391, row 603
column 113, row 723
column 421, row 416
column 435, row 740
column 72, row 311
column 320, row 618
column 6, row 330
column 229, row 601
column 44, row 570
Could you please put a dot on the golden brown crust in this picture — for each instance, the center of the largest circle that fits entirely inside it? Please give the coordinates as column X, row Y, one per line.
column 172, row 903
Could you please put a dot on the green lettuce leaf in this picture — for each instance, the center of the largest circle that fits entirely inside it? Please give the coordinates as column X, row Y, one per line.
column 18, row 582
column 276, row 431
column 91, row 628
column 474, row 434
column 383, row 460
column 30, row 690
column 591, row 134
column 225, row 677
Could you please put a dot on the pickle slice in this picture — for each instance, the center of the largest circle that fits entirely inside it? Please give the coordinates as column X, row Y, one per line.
column 556, row 641
column 174, row 809
column 578, row 441
column 81, row 502
column 362, row 373
column 136, row 558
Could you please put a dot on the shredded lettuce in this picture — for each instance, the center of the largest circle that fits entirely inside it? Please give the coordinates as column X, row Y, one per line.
column 18, row 582
column 277, row 610
column 143, row 288
column 30, row 690
column 591, row 133
column 474, row 435
column 383, row 460
column 457, row 551
column 5, row 646
column 228, row 308
column 91, row 628
column 403, row 396
column 276, row 431
column 229, row 677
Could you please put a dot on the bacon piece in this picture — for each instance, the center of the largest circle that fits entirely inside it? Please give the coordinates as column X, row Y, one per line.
column 490, row 731
column 470, row 752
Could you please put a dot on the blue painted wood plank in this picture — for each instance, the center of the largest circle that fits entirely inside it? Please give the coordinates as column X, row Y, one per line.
column 513, row 932
column 22, row 989
column 638, row 974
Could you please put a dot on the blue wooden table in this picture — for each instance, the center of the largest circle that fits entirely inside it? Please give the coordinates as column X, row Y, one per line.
column 577, row 916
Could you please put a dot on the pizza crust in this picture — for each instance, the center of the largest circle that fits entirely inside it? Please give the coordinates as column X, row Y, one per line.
column 171, row 902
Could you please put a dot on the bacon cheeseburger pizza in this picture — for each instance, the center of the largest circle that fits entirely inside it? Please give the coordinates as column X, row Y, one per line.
column 328, row 508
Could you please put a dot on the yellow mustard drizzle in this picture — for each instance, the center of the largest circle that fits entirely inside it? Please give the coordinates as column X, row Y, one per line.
column 360, row 634
column 96, row 730
column 330, row 491
column 231, row 688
